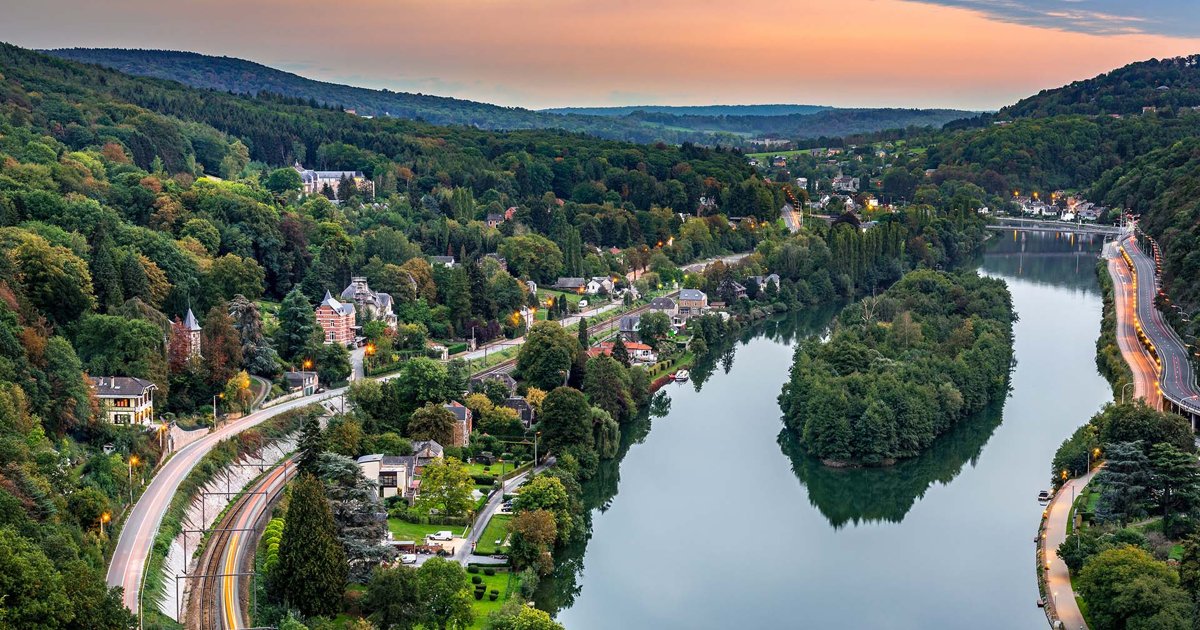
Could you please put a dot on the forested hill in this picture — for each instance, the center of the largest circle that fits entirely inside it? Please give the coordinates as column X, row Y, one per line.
column 724, row 125
column 1159, row 83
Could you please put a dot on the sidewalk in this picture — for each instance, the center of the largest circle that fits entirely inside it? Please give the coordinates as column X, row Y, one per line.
column 1061, row 604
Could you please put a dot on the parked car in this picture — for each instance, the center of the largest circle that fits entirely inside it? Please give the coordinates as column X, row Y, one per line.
column 408, row 558
column 582, row 303
column 442, row 535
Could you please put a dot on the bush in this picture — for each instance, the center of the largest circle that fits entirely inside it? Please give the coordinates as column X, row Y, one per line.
column 493, row 596
column 475, row 579
column 479, row 595
column 489, row 572
column 472, row 569
column 495, row 591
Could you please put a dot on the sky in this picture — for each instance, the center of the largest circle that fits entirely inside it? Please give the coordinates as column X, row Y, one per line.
column 969, row 54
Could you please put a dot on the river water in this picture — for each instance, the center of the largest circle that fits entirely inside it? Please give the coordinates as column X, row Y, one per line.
column 711, row 519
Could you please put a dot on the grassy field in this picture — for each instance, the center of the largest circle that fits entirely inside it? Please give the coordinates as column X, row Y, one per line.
column 483, row 608
column 497, row 529
column 403, row 530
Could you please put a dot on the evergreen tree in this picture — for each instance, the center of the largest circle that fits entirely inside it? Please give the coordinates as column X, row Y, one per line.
column 581, row 332
column 1126, row 480
column 311, row 444
column 312, row 569
column 620, row 352
column 1177, row 485
column 297, row 326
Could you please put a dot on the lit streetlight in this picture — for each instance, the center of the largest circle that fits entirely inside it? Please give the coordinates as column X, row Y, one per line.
column 133, row 461
column 104, row 518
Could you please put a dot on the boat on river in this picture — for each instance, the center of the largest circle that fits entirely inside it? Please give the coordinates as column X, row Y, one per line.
column 681, row 376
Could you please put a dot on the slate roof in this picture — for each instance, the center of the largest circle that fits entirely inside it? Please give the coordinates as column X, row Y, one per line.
column 692, row 294
column 662, row 304
column 121, row 386
column 190, row 322
column 338, row 307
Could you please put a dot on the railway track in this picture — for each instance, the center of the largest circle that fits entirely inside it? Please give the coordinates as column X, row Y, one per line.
column 217, row 596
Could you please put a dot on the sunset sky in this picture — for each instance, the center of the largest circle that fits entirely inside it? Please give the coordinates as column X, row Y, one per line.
column 973, row 54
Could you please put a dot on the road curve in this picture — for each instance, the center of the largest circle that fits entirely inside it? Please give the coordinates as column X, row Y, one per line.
column 1141, row 364
column 1176, row 381
column 141, row 526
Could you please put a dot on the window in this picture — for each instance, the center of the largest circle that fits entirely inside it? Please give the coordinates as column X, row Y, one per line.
column 387, row 479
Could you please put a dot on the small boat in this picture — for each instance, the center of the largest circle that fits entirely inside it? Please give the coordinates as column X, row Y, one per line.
column 681, row 376
column 1044, row 496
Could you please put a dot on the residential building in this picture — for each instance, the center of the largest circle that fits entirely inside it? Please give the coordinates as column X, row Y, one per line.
column 525, row 411
column 391, row 474
column 692, row 302
column 845, row 184
column 578, row 285
column 305, row 382
column 193, row 335
column 495, row 219
column 600, row 285
column 665, row 305
column 628, row 326
column 638, row 352
column 763, row 281
column 426, row 451
column 314, row 182
column 478, row 382
column 463, row 423
column 445, row 261
column 125, row 399
column 802, row 183
column 374, row 305
column 336, row 320
column 500, row 260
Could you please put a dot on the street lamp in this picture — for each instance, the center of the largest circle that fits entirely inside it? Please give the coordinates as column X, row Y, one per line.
column 133, row 461
column 104, row 518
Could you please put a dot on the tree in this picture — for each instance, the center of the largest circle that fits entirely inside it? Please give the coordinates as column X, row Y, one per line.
column 112, row 345
column 566, row 420
column 332, row 361
column 282, row 180
column 1176, row 482
column 1134, row 422
column 297, row 326
column 516, row 616
column 1126, row 480
column 31, row 589
column 391, row 601
column 620, row 352
column 257, row 355
column 653, row 327
column 581, row 333
column 432, row 422
column 607, row 386
column 238, row 395
column 1127, row 588
column 532, row 256
column 443, row 588
column 232, row 275
column 312, row 570
column 533, row 535
column 222, row 346
column 310, row 445
column 422, row 381
column 446, row 486
column 361, row 528
column 545, row 358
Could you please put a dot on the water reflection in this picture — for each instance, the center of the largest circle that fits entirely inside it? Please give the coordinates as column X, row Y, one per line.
column 1047, row 258
column 858, row 495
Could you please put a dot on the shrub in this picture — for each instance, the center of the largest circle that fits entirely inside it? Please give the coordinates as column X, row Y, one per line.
column 479, row 595
column 493, row 596
column 475, row 579
column 495, row 591
column 472, row 569
column 489, row 572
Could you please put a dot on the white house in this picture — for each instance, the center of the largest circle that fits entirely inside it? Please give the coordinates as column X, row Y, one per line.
column 390, row 474
column 125, row 399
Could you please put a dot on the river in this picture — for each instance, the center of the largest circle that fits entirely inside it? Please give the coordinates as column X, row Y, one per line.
column 709, row 519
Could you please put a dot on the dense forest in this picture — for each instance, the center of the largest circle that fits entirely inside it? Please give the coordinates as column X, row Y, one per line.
column 901, row 369
column 724, row 125
column 1157, row 83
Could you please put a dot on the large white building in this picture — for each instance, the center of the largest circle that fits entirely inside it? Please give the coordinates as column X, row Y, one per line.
column 374, row 305
column 125, row 399
column 313, row 182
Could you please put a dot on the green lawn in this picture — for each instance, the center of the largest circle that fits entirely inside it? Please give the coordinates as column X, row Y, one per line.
column 479, row 470
column 483, row 608
column 545, row 294
column 403, row 530
column 497, row 529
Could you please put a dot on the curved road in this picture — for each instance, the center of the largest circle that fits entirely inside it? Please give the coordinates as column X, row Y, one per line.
column 1176, row 380
column 1058, row 577
column 1141, row 365
column 141, row 526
